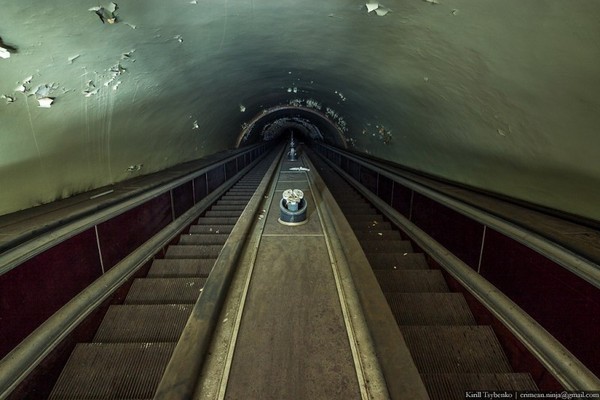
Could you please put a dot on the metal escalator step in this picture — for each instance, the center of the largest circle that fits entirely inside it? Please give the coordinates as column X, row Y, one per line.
column 218, row 229
column 225, row 207
column 173, row 268
column 237, row 197
column 113, row 371
column 223, row 213
column 201, row 239
column 454, row 386
column 369, row 225
column 165, row 291
column 411, row 281
column 381, row 233
column 227, row 202
column 430, row 309
column 193, row 251
column 217, row 221
column 455, row 349
column 136, row 323
column 241, row 191
column 395, row 261
column 386, row 246
column 358, row 209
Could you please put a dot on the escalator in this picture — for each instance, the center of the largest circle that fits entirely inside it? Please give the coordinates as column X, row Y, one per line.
column 135, row 340
column 452, row 353
column 293, row 312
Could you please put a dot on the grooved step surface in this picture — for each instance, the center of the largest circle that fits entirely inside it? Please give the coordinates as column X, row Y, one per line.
column 371, row 225
column 371, row 218
column 358, row 209
column 113, row 371
column 181, row 268
column 223, row 213
column 384, row 246
column 217, row 221
column 229, row 202
column 411, row 281
column 455, row 349
column 225, row 207
column 165, row 291
column 454, row 386
column 430, row 309
column 143, row 323
column 397, row 261
column 211, row 228
column 194, row 251
column 375, row 234
column 201, row 239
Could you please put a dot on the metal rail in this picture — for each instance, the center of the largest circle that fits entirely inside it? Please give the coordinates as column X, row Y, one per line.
column 557, row 359
column 580, row 266
column 17, row 364
column 29, row 249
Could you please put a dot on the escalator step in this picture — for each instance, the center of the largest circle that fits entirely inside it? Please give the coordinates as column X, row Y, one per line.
column 396, row 261
column 225, row 207
column 227, row 202
column 143, row 323
column 386, row 246
column 430, row 309
column 415, row 281
column 217, row 221
column 223, row 213
column 165, row 291
column 181, row 268
column 454, row 386
column 455, row 349
column 192, row 251
column 201, row 239
column 369, row 225
column 218, row 229
column 378, row 234
column 113, row 371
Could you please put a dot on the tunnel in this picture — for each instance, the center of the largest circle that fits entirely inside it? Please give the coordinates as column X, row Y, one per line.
column 493, row 105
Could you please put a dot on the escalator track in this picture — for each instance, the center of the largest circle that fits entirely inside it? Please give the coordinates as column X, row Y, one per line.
column 134, row 343
column 453, row 354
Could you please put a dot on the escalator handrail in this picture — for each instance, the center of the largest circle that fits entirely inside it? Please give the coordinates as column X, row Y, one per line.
column 557, row 359
column 20, row 253
column 575, row 263
column 23, row 359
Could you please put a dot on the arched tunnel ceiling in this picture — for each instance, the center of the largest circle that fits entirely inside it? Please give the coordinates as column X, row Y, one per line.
column 500, row 95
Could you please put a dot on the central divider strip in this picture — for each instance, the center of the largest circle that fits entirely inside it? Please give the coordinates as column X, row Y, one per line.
column 183, row 371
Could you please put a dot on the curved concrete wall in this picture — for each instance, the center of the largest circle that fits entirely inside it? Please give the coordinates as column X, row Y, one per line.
column 501, row 95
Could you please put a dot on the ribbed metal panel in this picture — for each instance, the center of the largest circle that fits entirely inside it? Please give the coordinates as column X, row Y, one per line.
column 165, row 291
column 201, row 239
column 411, row 281
column 217, row 221
column 397, row 261
column 379, row 233
column 193, row 251
column 229, row 202
column 430, row 309
column 221, row 213
column 220, row 207
column 143, row 323
column 211, row 228
column 113, row 371
column 382, row 245
column 369, row 225
column 454, row 386
column 181, row 268
column 455, row 349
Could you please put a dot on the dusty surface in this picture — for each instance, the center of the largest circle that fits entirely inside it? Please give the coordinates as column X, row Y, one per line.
column 500, row 95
